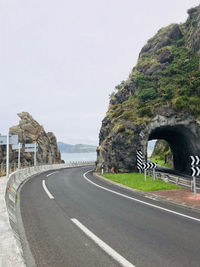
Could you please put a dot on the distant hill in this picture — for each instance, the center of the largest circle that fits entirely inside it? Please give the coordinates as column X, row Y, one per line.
column 79, row 148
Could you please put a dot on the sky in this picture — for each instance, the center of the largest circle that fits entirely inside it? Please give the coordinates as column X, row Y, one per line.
column 60, row 60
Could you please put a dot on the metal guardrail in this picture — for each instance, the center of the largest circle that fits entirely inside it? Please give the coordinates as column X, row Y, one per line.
column 13, row 166
column 175, row 179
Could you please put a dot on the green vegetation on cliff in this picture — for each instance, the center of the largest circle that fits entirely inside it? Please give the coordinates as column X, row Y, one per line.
column 167, row 74
column 162, row 154
column 159, row 100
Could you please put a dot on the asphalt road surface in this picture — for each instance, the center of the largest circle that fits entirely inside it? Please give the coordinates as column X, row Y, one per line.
column 71, row 218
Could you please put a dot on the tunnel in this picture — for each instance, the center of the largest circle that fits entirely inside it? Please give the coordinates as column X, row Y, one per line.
column 183, row 143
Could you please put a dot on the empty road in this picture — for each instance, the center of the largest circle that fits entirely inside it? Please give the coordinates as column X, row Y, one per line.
column 71, row 218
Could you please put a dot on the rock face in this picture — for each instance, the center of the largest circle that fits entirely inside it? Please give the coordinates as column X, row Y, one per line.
column 159, row 100
column 30, row 131
column 162, row 151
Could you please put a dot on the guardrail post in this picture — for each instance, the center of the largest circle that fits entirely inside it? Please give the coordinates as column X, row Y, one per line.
column 194, row 184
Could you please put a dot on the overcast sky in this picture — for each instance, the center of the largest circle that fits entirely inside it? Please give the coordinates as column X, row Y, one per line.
column 60, row 59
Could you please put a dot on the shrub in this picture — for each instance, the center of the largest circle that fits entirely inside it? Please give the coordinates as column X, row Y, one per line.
column 147, row 94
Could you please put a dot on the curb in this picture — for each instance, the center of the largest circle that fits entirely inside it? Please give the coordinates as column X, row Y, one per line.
column 152, row 196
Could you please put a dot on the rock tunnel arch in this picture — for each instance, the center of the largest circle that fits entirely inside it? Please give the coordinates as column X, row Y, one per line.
column 182, row 137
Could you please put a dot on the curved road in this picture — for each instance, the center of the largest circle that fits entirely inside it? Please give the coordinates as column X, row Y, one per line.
column 73, row 219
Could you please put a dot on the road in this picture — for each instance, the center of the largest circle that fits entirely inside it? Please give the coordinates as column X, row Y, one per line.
column 71, row 218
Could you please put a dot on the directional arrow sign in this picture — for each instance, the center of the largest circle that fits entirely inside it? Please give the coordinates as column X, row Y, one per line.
column 195, row 160
column 195, row 171
column 149, row 165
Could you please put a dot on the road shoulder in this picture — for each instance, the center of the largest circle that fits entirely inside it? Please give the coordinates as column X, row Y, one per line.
column 179, row 197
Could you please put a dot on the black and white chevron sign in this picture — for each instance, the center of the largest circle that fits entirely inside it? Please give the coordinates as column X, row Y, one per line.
column 195, row 160
column 149, row 165
column 195, row 171
column 139, row 160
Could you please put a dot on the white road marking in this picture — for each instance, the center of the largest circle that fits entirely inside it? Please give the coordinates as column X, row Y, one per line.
column 140, row 201
column 46, row 190
column 116, row 256
column 51, row 173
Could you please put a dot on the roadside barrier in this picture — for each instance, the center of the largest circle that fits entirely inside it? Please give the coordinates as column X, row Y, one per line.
column 175, row 179
column 16, row 179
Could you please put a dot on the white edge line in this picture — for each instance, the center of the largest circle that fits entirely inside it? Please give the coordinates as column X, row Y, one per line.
column 51, row 173
column 140, row 201
column 116, row 256
column 46, row 190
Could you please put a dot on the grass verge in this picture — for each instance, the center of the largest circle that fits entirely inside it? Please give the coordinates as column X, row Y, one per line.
column 136, row 181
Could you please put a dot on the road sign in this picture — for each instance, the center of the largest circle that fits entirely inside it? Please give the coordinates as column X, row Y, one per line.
column 31, row 145
column 195, row 160
column 195, row 171
column 150, row 165
column 31, row 149
column 13, row 139
column 3, row 139
column 16, row 147
column 139, row 159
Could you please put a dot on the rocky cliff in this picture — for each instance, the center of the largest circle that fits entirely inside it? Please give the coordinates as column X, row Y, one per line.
column 30, row 131
column 159, row 100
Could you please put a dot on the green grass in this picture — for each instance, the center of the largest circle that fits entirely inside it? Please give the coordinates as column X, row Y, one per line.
column 136, row 181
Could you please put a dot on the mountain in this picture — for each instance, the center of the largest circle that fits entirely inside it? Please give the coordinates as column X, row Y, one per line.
column 79, row 148
column 162, row 89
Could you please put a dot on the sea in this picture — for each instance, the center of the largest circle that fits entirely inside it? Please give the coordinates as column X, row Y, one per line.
column 92, row 156
column 70, row 157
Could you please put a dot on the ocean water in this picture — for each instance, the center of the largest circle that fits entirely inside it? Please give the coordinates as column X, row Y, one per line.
column 67, row 157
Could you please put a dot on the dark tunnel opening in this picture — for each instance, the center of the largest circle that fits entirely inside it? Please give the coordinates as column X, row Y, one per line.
column 183, row 144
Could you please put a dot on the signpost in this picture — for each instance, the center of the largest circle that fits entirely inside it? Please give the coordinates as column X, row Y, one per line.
column 18, row 147
column 195, row 171
column 147, row 166
column 32, row 148
column 8, row 140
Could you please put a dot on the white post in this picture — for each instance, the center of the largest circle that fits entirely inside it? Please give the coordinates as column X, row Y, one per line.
column 154, row 174
column 195, row 188
column 35, row 154
column 145, row 175
column 7, row 156
column 19, row 147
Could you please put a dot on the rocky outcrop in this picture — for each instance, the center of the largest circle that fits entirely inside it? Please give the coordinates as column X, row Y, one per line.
column 159, row 100
column 193, row 33
column 30, row 131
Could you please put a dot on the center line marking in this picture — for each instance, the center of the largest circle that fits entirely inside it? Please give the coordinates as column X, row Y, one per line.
column 115, row 255
column 46, row 190
column 140, row 201
column 51, row 173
